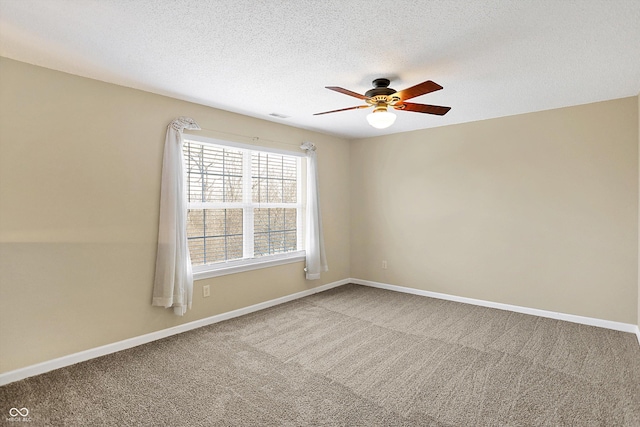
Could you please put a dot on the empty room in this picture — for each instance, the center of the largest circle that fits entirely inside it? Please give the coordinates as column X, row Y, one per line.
column 319, row 213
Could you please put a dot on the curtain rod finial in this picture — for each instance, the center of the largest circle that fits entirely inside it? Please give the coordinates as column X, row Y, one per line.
column 184, row 122
column 308, row 146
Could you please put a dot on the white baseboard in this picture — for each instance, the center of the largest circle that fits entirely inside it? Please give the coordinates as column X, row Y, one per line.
column 608, row 324
column 50, row 365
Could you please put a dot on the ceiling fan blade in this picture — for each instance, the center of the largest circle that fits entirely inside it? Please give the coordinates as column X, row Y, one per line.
column 347, row 92
column 343, row 109
column 422, row 108
column 419, row 89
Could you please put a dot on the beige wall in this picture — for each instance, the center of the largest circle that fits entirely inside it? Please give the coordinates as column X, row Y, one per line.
column 639, row 218
column 80, row 165
column 537, row 210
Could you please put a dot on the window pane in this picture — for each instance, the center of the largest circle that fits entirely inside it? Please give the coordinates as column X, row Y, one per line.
column 195, row 223
column 215, row 224
column 276, row 219
column 275, row 190
column 290, row 241
column 273, row 178
column 274, row 231
column 274, row 166
column 214, row 174
column 290, row 217
column 289, row 191
column 234, row 247
column 213, row 188
column 289, row 168
column 214, row 235
column 234, row 221
column 260, row 220
column 233, row 189
column 215, row 249
column 196, row 250
column 261, row 244
column 260, row 188
column 277, row 242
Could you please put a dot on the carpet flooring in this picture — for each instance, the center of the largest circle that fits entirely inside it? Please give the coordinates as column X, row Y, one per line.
column 353, row 356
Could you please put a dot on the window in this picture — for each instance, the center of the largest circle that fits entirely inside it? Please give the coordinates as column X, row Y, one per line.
column 244, row 206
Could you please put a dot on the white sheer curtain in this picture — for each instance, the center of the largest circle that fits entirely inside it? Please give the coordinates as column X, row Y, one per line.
column 173, row 283
column 314, row 241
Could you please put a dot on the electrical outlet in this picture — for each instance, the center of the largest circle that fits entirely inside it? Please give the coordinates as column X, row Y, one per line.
column 384, row 264
column 206, row 291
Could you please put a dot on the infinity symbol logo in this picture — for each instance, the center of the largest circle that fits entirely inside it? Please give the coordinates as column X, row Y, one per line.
column 15, row 412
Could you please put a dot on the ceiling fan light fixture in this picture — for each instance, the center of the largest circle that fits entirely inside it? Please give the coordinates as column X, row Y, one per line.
column 381, row 119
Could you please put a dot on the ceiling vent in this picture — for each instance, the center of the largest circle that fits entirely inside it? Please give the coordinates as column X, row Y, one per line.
column 278, row 115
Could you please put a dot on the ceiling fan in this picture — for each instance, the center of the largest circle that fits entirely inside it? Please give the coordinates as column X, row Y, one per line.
column 381, row 97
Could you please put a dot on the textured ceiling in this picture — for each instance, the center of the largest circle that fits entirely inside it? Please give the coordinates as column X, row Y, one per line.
column 493, row 57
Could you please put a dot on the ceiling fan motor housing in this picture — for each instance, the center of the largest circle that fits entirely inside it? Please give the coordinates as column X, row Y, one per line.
column 380, row 88
column 380, row 95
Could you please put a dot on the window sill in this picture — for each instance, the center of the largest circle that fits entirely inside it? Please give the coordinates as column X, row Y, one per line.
column 239, row 266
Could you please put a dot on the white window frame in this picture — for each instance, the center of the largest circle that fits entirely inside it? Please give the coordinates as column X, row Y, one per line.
column 248, row 264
